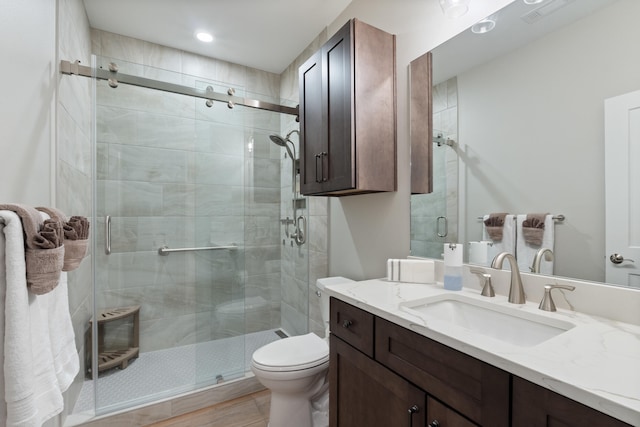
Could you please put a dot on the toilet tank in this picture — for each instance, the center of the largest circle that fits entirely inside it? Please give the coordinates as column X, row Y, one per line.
column 324, row 298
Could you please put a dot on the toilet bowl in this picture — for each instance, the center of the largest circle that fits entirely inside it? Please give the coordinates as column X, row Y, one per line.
column 295, row 370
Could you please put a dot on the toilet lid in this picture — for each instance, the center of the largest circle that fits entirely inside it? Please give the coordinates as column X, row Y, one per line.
column 293, row 353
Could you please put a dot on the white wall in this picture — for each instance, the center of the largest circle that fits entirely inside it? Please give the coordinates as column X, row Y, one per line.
column 543, row 150
column 365, row 230
column 27, row 107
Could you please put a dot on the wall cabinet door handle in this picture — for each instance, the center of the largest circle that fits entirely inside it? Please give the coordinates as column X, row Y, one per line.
column 319, row 157
column 325, row 177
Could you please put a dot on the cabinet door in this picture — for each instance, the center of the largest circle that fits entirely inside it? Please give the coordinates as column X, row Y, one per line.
column 364, row 393
column 312, row 130
column 475, row 389
column 442, row 416
column 338, row 165
column 535, row 406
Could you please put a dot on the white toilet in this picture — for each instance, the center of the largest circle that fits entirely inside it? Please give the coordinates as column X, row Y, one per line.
column 295, row 370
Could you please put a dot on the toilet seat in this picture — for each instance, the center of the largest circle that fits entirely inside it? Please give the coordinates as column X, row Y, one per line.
column 292, row 354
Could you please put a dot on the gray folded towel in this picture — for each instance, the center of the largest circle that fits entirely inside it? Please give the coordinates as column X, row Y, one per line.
column 75, row 234
column 533, row 228
column 44, row 252
column 494, row 225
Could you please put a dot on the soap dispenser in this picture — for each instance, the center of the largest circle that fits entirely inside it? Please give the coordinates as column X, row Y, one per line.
column 453, row 266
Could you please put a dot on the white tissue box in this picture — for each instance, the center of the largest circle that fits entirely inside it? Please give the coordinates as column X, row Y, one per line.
column 411, row 270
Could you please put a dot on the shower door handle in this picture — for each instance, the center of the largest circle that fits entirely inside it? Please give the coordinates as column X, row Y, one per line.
column 442, row 231
column 107, row 235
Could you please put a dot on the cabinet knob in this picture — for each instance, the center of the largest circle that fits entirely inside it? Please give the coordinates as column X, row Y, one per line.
column 347, row 324
column 414, row 409
column 434, row 423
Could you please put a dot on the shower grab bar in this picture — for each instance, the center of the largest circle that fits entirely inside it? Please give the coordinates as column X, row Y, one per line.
column 165, row 250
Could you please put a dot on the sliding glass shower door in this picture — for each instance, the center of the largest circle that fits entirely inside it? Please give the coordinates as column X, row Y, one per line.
column 174, row 178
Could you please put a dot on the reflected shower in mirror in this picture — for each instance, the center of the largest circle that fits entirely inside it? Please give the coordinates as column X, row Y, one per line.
column 530, row 129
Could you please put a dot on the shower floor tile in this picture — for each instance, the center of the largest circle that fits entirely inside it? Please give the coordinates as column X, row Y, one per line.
column 163, row 373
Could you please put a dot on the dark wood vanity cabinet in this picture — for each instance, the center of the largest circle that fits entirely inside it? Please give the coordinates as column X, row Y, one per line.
column 384, row 375
column 535, row 406
column 348, row 114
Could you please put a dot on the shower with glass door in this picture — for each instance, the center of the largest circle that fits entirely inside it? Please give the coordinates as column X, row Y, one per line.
column 187, row 262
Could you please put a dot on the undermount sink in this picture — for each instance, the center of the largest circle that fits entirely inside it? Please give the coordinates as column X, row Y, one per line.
column 511, row 325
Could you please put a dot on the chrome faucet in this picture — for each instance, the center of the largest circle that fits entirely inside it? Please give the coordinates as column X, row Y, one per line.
column 548, row 256
column 516, row 291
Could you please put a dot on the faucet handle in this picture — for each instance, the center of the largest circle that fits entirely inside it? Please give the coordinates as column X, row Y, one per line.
column 485, row 281
column 547, row 303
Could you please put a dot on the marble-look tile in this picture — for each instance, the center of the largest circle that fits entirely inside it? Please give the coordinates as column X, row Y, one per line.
column 163, row 333
column 179, row 200
column 145, row 164
column 263, row 83
column 121, row 47
column 317, row 230
column 263, row 173
column 162, row 57
column 219, row 200
column 165, row 131
column 219, row 138
column 196, row 66
column 262, row 230
column 263, row 260
column 293, row 322
column 231, row 73
column 452, row 92
column 439, row 97
column 116, row 125
column 219, row 169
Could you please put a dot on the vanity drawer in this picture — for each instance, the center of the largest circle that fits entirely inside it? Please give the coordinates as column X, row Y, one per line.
column 353, row 325
column 469, row 386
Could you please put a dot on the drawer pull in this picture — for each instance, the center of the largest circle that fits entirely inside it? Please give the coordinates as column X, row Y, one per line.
column 347, row 324
column 434, row 423
column 414, row 409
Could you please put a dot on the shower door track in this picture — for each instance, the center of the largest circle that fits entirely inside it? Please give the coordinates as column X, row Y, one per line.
column 74, row 68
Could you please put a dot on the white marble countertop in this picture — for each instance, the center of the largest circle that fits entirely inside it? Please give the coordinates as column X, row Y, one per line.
column 596, row 363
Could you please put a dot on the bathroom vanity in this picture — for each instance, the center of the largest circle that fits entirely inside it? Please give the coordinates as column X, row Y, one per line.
column 389, row 368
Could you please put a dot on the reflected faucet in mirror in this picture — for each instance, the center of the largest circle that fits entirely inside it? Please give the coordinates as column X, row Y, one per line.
column 548, row 256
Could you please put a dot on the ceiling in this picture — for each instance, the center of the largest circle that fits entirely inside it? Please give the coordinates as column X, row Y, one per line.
column 263, row 34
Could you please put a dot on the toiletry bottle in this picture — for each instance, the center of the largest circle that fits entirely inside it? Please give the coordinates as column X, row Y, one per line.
column 453, row 266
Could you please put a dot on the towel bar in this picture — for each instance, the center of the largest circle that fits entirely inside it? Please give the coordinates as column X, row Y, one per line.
column 165, row 250
column 555, row 217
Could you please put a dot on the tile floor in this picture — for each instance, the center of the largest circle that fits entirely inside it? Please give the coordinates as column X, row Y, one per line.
column 247, row 411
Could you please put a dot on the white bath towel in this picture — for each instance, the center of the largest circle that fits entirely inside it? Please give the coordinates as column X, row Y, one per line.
column 34, row 377
column 526, row 252
column 508, row 242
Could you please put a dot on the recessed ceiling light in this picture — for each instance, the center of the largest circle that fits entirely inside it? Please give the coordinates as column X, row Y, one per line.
column 483, row 26
column 204, row 37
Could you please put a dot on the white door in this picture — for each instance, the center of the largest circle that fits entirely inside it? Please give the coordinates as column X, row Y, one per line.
column 622, row 189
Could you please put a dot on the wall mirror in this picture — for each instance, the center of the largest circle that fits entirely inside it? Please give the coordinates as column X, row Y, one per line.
column 518, row 119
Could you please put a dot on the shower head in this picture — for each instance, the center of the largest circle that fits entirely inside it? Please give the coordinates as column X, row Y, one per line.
column 282, row 142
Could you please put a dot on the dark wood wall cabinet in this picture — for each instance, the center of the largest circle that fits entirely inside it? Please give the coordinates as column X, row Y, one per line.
column 383, row 375
column 348, row 114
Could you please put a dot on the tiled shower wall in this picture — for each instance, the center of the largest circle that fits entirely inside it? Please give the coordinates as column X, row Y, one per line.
column 425, row 208
column 298, row 295
column 180, row 174
column 74, row 165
